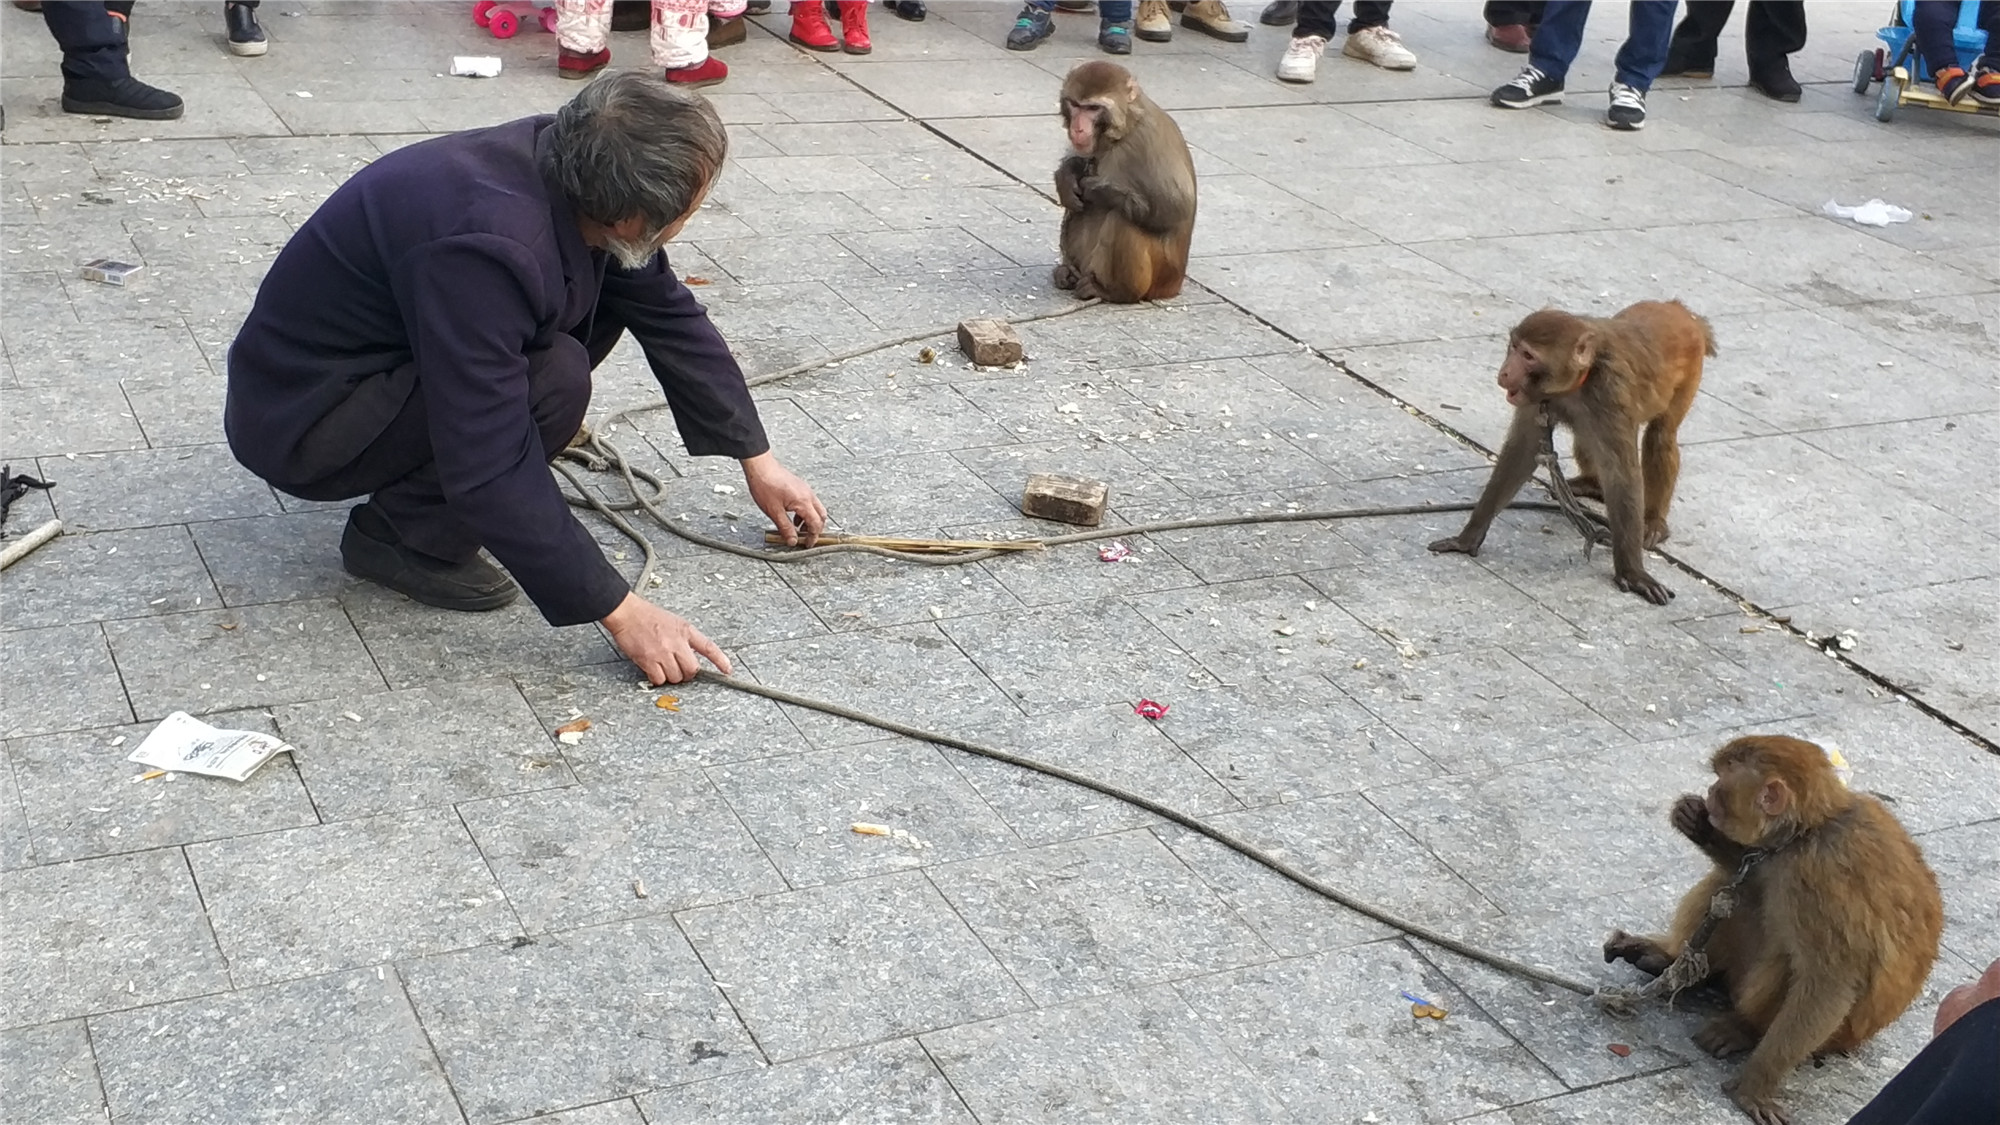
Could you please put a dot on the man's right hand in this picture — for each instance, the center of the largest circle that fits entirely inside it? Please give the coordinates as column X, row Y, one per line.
column 662, row 644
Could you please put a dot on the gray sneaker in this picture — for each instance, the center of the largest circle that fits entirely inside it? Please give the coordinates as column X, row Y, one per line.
column 1628, row 108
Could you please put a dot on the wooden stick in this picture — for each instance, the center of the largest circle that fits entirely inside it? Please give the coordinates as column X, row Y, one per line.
column 920, row 546
column 21, row 548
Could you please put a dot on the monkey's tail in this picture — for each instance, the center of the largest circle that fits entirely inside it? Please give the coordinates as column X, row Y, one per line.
column 1707, row 335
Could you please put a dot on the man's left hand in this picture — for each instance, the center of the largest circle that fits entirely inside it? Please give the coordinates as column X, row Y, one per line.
column 788, row 500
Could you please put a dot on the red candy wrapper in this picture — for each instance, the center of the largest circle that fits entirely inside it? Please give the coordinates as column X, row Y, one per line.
column 1147, row 709
column 1115, row 552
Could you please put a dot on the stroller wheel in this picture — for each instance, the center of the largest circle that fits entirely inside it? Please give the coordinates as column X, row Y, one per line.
column 1864, row 71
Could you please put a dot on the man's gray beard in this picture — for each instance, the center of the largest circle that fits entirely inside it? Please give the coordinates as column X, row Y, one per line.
column 632, row 255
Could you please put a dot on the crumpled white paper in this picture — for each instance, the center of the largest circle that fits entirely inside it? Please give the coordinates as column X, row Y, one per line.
column 475, row 66
column 1874, row 213
column 185, row 744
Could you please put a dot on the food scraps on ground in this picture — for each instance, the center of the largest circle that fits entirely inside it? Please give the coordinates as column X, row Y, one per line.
column 1621, row 1050
column 1147, row 709
column 668, row 702
column 1422, row 1009
column 863, row 828
column 151, row 774
column 1115, row 552
column 693, row 279
column 571, row 733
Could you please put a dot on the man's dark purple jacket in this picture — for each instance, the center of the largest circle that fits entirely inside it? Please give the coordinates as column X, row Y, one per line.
column 456, row 253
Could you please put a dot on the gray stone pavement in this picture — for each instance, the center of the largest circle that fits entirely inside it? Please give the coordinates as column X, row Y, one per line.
column 430, row 914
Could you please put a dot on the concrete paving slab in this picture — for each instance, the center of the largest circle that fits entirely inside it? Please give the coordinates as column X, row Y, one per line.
column 892, row 1081
column 593, row 1014
column 296, row 1048
column 840, row 966
column 52, row 1075
column 73, row 683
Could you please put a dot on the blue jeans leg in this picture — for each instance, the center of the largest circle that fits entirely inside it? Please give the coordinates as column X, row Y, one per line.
column 1646, row 37
column 1116, row 11
column 1560, row 36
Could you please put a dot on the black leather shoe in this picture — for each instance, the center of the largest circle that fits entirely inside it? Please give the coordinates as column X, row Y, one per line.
column 371, row 549
column 1685, row 64
column 245, row 37
column 1284, row 13
column 1776, row 82
column 127, row 97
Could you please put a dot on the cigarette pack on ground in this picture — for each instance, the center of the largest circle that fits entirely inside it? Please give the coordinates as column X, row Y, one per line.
column 185, row 744
column 107, row 270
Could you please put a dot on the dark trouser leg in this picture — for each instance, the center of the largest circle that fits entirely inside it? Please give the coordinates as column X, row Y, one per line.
column 1512, row 13
column 1931, row 23
column 1773, row 30
column 1694, row 41
column 400, row 470
column 92, row 41
column 1645, row 51
column 1318, row 17
column 1369, row 13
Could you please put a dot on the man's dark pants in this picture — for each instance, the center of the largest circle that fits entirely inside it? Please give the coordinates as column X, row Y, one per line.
column 92, row 40
column 1322, row 18
column 1772, row 30
column 386, row 420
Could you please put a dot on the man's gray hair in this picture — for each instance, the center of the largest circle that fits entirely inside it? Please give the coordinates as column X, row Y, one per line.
column 632, row 145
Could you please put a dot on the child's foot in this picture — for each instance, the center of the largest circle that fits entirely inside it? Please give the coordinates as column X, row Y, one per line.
column 706, row 73
column 1954, row 84
column 577, row 64
column 1031, row 27
column 1114, row 37
column 1986, row 80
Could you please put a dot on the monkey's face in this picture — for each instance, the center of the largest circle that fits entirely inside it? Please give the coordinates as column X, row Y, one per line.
column 1522, row 373
column 1083, row 120
column 1745, row 805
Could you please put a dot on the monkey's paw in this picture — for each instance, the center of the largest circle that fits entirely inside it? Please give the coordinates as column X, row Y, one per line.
column 1644, row 953
column 1065, row 276
column 1724, row 1036
column 1690, row 818
column 1586, row 487
column 1763, row 1109
column 1455, row 545
column 1644, row 585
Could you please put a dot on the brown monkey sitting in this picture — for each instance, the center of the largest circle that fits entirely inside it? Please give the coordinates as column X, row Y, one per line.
column 1605, row 379
column 1127, row 190
column 1834, row 925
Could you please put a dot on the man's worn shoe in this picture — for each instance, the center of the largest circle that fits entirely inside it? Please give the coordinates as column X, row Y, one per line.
column 1279, row 13
column 1628, row 108
column 1514, row 38
column 1776, row 82
column 1301, row 58
column 912, row 10
column 1031, row 27
column 1529, row 88
column 1380, row 46
column 1211, row 17
column 245, row 37
column 1154, row 23
column 576, row 64
column 371, row 549
column 127, row 97
column 726, row 32
column 1685, row 64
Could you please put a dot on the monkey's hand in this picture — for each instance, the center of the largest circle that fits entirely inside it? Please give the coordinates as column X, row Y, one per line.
column 1111, row 196
column 1763, row 1109
column 1645, row 585
column 1460, row 544
column 1690, row 819
column 1069, row 177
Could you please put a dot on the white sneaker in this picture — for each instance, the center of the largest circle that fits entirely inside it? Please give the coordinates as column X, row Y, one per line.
column 1301, row 58
column 1380, row 46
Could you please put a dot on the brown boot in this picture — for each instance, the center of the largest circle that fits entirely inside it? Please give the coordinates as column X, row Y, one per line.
column 1210, row 17
column 726, row 33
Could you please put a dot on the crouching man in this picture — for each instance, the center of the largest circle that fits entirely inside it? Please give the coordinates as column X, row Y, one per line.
column 426, row 340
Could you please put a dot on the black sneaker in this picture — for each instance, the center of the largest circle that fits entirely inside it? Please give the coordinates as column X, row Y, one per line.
column 1281, row 13
column 127, row 97
column 1628, row 108
column 1031, row 27
column 245, row 37
column 371, row 549
column 1114, row 37
column 1529, row 88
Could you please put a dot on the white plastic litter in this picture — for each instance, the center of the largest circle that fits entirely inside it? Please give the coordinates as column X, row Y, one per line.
column 475, row 66
column 1874, row 213
column 184, row 744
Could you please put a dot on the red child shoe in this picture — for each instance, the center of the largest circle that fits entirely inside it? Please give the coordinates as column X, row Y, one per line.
column 576, row 64
column 854, row 27
column 809, row 29
column 707, row 73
